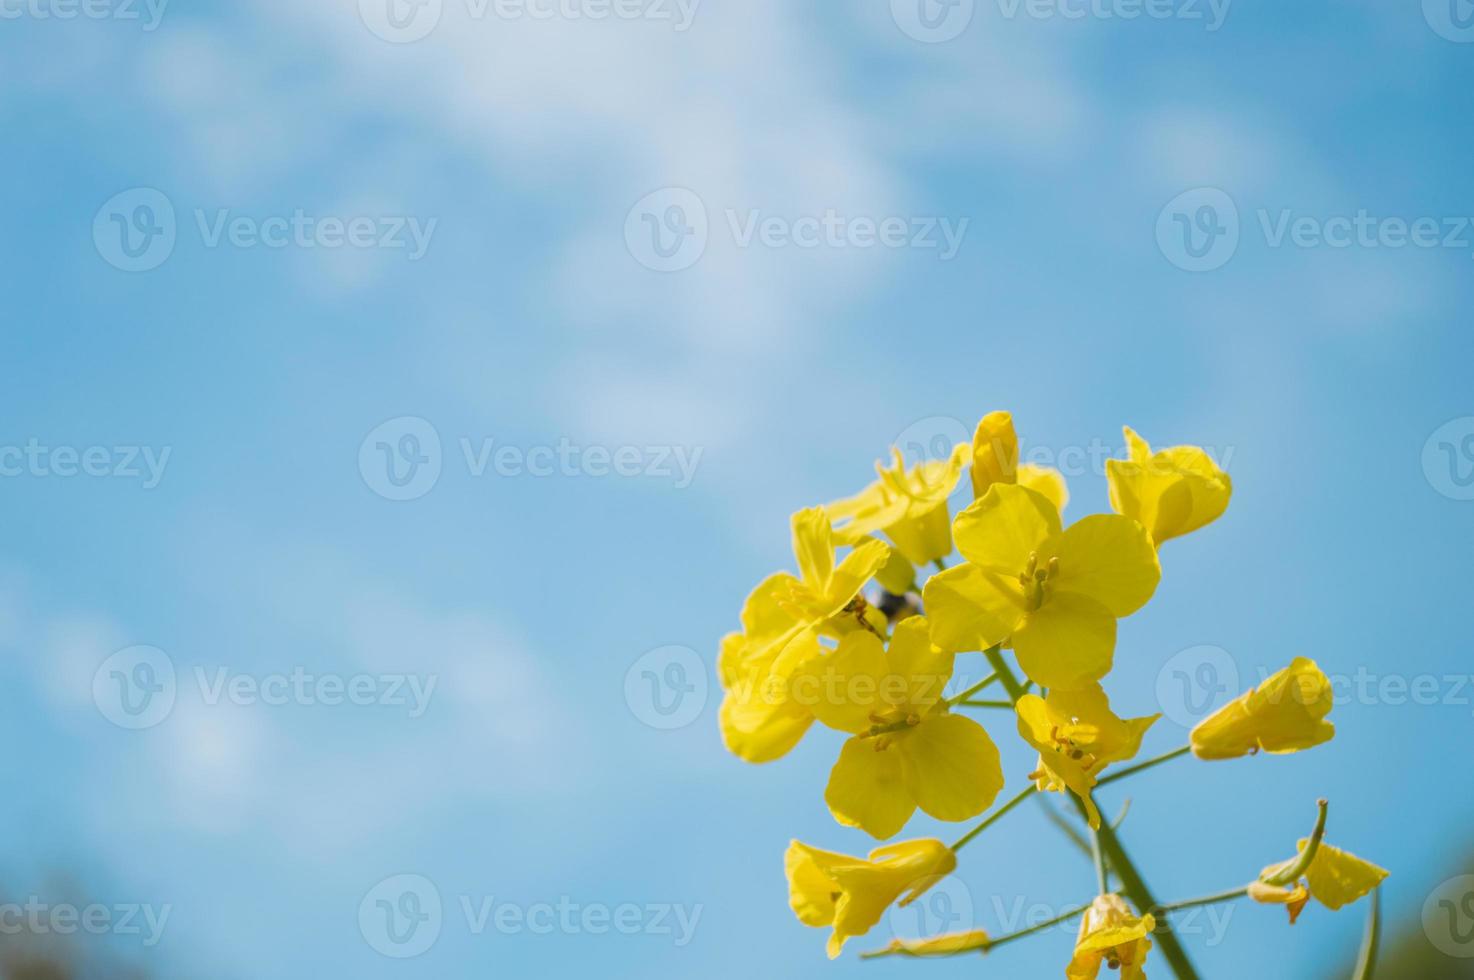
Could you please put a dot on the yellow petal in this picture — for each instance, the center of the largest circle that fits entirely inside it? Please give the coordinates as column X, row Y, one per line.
column 1293, row 898
column 994, row 452
column 1068, row 643
column 998, row 531
column 951, row 766
column 971, row 609
column 897, row 576
column 1337, row 878
column 1046, row 480
column 926, row 667
column 897, row 871
column 854, row 570
column 811, row 890
column 949, row 944
column 844, row 688
column 1171, row 492
column 867, row 790
column 762, row 615
column 813, row 547
column 756, row 729
column 1108, row 558
column 1284, row 714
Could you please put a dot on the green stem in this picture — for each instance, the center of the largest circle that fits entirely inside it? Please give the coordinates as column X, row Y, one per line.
column 991, row 943
column 1005, row 673
column 1371, row 940
column 1143, row 766
column 1114, row 854
column 1141, row 896
column 985, row 704
column 941, row 564
column 1302, row 862
column 993, row 818
column 990, row 679
column 1102, row 886
column 1187, row 903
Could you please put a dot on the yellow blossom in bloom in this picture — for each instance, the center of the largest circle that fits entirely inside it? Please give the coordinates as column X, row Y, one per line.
column 1170, row 491
column 1055, row 594
column 1284, row 714
column 1110, row 934
column 1335, row 879
column 850, row 893
column 781, row 623
column 1077, row 736
column 906, row 750
column 948, row 944
column 908, row 504
column 995, row 460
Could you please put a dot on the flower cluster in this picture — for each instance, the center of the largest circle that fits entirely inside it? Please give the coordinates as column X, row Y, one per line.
column 857, row 641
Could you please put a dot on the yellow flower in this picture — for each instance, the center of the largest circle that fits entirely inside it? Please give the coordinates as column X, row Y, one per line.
column 850, row 893
column 995, row 460
column 781, row 622
column 1335, row 879
column 1171, row 491
column 1077, row 736
column 906, row 749
column 909, row 505
column 1056, row 593
column 1109, row 933
column 948, row 944
column 1284, row 714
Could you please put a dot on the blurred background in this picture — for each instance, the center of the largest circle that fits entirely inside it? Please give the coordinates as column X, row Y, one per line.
column 399, row 400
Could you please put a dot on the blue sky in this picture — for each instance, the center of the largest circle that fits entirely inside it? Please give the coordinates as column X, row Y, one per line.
column 1328, row 372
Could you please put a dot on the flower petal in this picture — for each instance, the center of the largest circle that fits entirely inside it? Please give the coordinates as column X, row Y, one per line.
column 999, row 530
column 951, row 767
column 866, row 789
column 1109, row 558
column 844, row 688
column 1068, row 643
column 971, row 609
column 1337, row 878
